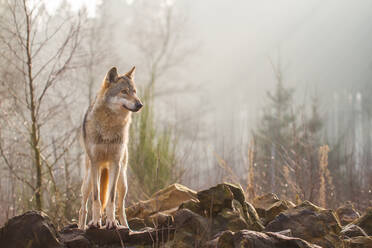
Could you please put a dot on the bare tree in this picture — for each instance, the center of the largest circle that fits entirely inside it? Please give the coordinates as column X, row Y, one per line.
column 40, row 50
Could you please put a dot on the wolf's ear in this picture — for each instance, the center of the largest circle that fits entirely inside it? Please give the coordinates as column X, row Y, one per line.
column 112, row 75
column 130, row 73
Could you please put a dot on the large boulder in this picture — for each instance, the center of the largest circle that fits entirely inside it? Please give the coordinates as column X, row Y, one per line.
column 165, row 200
column 268, row 206
column 347, row 213
column 311, row 223
column 217, row 209
column 365, row 221
column 246, row 238
column 32, row 230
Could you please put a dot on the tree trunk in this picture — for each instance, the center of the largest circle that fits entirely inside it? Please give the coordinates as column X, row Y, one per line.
column 34, row 123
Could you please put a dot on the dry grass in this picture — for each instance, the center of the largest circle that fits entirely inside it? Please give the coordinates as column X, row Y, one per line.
column 251, row 194
column 324, row 173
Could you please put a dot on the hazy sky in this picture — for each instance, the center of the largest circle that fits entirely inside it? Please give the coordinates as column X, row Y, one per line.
column 323, row 45
column 319, row 42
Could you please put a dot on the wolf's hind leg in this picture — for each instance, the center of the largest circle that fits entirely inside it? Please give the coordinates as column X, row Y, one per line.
column 86, row 188
column 122, row 191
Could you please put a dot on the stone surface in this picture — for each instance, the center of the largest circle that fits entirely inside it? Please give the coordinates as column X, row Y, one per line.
column 136, row 224
column 365, row 221
column 32, row 230
column 246, row 210
column 246, row 238
column 311, row 223
column 268, row 206
column 192, row 229
column 159, row 220
column 74, row 237
column 166, row 199
column 347, row 213
column 192, row 205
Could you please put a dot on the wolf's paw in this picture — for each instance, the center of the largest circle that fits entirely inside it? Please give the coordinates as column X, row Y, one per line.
column 82, row 227
column 112, row 224
column 94, row 224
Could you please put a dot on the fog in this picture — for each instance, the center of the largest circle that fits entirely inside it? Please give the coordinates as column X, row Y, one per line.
column 323, row 46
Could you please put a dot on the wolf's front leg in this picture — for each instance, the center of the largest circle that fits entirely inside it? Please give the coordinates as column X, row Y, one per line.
column 96, row 204
column 122, row 191
column 85, row 192
column 114, row 171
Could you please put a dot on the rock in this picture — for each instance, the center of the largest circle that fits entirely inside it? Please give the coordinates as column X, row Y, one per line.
column 136, row 224
column 226, row 240
column 159, row 220
column 32, row 230
column 192, row 205
column 228, row 219
column 351, row 230
column 246, row 210
column 103, row 236
column 214, row 199
column 245, row 238
column 78, row 242
column 268, row 206
column 365, row 221
column 192, row 230
column 166, row 199
column 225, row 203
column 311, row 223
column 359, row 242
column 347, row 213
column 74, row 237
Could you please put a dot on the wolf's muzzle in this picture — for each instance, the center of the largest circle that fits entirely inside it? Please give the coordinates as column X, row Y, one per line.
column 139, row 105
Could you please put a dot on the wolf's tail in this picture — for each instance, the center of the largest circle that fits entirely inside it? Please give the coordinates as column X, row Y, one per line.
column 103, row 188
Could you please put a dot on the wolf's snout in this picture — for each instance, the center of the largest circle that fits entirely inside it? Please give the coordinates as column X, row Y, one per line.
column 139, row 105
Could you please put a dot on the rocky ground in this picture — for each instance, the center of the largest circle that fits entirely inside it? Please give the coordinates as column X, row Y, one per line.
column 216, row 217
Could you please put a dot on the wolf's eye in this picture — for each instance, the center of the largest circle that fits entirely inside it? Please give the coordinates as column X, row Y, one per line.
column 124, row 92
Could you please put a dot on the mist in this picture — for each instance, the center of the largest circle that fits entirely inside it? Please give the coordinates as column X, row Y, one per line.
column 323, row 47
column 273, row 96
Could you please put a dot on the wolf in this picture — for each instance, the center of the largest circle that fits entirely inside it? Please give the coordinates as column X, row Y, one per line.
column 105, row 135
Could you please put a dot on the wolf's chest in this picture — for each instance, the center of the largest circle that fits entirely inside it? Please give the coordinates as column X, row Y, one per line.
column 112, row 139
column 107, row 148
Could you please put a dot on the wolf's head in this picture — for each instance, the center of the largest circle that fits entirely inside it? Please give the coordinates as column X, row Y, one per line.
column 120, row 91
